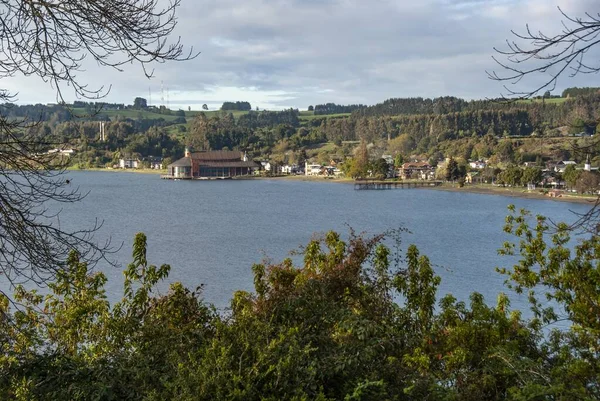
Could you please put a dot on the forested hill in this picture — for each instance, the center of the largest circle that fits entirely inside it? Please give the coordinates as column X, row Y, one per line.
column 450, row 114
column 447, row 119
column 413, row 105
column 451, row 104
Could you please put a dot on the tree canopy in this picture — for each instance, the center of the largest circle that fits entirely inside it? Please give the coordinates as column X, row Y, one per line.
column 239, row 106
column 352, row 318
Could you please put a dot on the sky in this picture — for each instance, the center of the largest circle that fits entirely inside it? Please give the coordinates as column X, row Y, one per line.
column 278, row 54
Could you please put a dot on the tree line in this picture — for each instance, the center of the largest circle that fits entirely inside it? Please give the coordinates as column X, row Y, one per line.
column 332, row 108
column 239, row 106
column 553, row 114
column 575, row 91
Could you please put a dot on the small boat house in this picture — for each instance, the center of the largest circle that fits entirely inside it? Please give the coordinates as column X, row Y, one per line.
column 211, row 165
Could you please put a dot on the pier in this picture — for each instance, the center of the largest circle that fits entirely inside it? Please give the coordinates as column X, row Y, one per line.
column 381, row 185
column 189, row 177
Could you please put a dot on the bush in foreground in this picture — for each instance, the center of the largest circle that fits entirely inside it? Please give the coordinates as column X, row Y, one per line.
column 355, row 321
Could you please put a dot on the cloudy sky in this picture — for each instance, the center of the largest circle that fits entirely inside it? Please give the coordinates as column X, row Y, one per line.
column 294, row 53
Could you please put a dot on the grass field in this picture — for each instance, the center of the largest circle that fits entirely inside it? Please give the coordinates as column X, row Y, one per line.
column 309, row 115
column 211, row 113
column 557, row 100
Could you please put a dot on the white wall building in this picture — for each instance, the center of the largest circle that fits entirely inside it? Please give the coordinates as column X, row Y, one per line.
column 129, row 163
column 312, row 169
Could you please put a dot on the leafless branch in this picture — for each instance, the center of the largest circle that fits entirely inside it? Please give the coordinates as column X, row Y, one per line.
column 51, row 39
column 534, row 53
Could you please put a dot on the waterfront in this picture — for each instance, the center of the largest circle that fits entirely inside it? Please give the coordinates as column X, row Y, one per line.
column 212, row 232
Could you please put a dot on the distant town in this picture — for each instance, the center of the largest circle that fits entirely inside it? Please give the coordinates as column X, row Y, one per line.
column 545, row 143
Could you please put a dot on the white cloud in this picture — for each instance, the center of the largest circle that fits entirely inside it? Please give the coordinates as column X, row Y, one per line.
column 281, row 53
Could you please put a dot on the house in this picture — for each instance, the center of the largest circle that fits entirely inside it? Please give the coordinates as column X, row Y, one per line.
column 155, row 163
column 312, row 169
column 553, row 182
column 266, row 166
column 129, row 163
column 62, row 152
column 211, row 164
column 290, row 169
column 562, row 165
column 478, row 165
column 417, row 171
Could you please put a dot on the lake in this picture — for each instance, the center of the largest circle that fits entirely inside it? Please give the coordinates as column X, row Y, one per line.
column 211, row 232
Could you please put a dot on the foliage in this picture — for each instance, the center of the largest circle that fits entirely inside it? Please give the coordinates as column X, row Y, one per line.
column 575, row 91
column 588, row 182
column 353, row 321
column 71, row 344
column 453, row 170
column 380, row 168
column 240, row 106
column 552, row 269
column 360, row 166
column 398, row 160
column 571, row 175
column 140, row 103
column 531, row 175
column 512, row 176
column 332, row 108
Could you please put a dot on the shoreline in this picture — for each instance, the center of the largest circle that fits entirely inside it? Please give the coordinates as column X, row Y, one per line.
column 476, row 189
column 119, row 170
column 515, row 193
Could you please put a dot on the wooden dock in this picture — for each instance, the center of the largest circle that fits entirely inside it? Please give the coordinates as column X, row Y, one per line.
column 189, row 177
column 381, row 185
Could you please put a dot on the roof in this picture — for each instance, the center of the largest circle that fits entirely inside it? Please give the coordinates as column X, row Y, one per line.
column 238, row 163
column 217, row 155
column 183, row 162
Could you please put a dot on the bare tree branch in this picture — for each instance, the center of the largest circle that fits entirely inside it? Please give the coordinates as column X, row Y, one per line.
column 534, row 53
column 51, row 39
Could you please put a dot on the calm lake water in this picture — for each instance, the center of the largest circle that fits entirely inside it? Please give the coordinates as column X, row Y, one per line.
column 211, row 232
